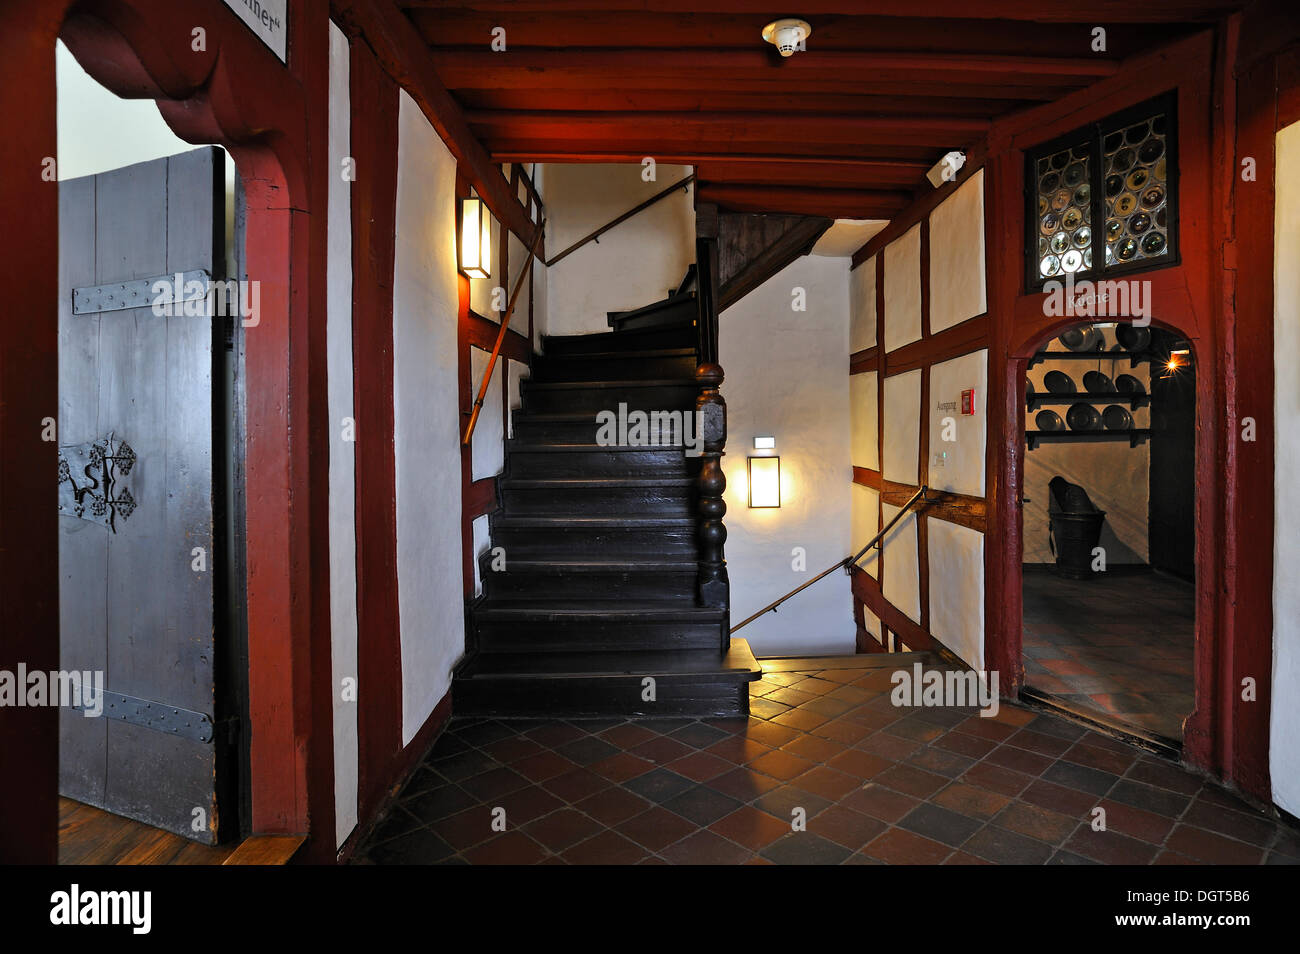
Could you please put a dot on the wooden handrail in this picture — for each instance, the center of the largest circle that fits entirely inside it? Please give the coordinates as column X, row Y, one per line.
column 593, row 236
column 501, row 336
column 843, row 564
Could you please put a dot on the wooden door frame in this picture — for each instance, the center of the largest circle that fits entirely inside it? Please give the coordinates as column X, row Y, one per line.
column 272, row 119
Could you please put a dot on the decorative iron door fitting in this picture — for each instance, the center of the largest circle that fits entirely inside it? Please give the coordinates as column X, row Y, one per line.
column 90, row 484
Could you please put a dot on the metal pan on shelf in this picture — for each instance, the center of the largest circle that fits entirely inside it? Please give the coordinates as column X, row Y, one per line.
column 1116, row 418
column 1049, row 420
column 1132, row 337
column 1058, row 382
column 1096, row 382
column 1083, row 417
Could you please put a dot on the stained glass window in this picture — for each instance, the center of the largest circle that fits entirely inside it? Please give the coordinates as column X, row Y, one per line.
column 1137, row 191
column 1117, row 176
column 1064, row 211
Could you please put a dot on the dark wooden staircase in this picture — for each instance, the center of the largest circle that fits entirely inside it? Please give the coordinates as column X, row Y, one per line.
column 599, row 610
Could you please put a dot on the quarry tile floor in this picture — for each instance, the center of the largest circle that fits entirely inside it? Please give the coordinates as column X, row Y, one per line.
column 1119, row 644
column 876, row 783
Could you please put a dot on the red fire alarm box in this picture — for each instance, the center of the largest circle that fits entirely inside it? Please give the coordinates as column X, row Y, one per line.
column 968, row 401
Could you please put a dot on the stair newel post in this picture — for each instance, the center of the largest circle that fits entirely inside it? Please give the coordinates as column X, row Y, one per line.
column 711, row 419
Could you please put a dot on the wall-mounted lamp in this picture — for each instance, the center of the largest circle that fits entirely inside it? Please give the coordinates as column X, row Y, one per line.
column 764, row 482
column 764, row 442
column 475, row 238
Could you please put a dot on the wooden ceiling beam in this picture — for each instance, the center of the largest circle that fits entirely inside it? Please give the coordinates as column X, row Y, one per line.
column 809, row 171
column 1098, row 11
column 633, row 149
column 833, row 203
column 698, row 157
column 602, row 28
column 404, row 56
column 614, row 99
column 920, row 130
column 633, row 62
column 459, row 78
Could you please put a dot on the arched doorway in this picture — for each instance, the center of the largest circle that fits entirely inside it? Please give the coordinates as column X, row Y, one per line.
column 1108, row 519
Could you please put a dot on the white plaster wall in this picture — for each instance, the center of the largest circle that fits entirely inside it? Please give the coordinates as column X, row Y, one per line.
column 903, row 289
column 1284, row 735
column 864, row 416
column 956, row 556
column 541, row 322
column 518, row 259
column 958, row 465
column 902, row 582
column 426, row 442
column 481, row 541
column 1116, row 476
column 862, row 306
column 957, row 267
column 635, row 263
column 517, row 372
column 487, row 448
column 865, row 525
column 776, row 363
column 342, row 458
column 902, row 425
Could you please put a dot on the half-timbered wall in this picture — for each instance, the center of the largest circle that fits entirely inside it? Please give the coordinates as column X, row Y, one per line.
column 917, row 302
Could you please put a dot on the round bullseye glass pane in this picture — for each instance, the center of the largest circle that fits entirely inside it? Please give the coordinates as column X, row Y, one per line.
column 1153, row 243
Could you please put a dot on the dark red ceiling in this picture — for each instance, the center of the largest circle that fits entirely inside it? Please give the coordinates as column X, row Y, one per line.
column 845, row 129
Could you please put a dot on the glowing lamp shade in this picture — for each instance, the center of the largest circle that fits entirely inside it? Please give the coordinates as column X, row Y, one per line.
column 475, row 238
column 764, row 482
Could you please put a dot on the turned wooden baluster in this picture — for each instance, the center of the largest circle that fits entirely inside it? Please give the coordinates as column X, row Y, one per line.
column 711, row 419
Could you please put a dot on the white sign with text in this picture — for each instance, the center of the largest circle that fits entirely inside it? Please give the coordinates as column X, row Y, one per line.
column 269, row 19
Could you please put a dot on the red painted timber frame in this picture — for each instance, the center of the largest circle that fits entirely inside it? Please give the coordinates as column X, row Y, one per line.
column 374, row 225
column 273, row 121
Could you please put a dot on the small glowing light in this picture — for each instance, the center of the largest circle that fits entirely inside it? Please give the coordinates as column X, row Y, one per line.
column 475, row 238
column 764, row 482
column 764, row 443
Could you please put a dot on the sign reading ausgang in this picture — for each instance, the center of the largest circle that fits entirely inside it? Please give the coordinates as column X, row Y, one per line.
column 269, row 19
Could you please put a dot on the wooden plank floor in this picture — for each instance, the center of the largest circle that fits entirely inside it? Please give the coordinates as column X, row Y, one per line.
column 91, row 836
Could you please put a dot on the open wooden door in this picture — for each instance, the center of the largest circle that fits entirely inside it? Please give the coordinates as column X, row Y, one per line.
column 140, row 480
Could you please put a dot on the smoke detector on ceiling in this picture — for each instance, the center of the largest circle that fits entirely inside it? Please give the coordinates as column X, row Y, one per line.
column 787, row 35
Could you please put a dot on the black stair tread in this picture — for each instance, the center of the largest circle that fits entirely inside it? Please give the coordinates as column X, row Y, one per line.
column 603, row 521
column 686, row 564
column 683, row 381
column 550, row 417
column 592, row 483
column 594, row 608
column 738, row 662
column 562, row 417
column 533, row 447
column 624, row 355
